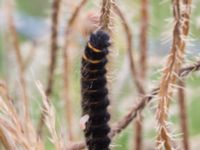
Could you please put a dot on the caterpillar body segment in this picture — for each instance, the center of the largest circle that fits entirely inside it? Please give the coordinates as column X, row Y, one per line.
column 94, row 91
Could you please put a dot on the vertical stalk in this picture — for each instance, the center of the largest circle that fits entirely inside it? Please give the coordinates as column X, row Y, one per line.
column 181, row 9
column 53, row 55
column 67, row 71
column 183, row 114
column 143, row 67
column 130, row 50
column 54, row 44
column 143, row 37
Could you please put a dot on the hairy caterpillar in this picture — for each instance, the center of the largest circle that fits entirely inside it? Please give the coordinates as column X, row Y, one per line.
column 94, row 92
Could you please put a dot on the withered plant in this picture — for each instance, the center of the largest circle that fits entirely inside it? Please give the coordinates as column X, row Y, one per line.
column 17, row 129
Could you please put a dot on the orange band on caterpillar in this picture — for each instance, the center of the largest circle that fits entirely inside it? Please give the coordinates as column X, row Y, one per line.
column 91, row 61
column 93, row 48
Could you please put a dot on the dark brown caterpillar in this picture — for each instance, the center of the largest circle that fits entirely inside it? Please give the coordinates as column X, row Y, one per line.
column 94, row 92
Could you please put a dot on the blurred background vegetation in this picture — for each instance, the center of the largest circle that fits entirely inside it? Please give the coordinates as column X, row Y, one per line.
column 32, row 23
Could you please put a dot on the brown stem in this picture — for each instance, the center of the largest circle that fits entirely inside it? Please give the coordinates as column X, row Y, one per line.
column 134, row 73
column 129, row 38
column 183, row 114
column 54, row 44
column 174, row 62
column 66, row 70
column 136, row 79
column 53, row 57
column 67, row 97
column 143, row 37
column 143, row 67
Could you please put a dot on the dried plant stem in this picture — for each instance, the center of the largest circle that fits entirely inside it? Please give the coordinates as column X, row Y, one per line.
column 134, row 73
column 136, row 109
column 141, row 103
column 129, row 37
column 74, row 15
column 53, row 58
column 66, row 70
column 143, row 68
column 125, row 121
column 49, row 117
column 19, row 59
column 183, row 114
column 67, row 97
column 12, row 127
column 54, row 44
column 174, row 62
column 143, row 37
column 105, row 15
column 4, row 140
column 76, row 146
column 190, row 69
column 138, row 133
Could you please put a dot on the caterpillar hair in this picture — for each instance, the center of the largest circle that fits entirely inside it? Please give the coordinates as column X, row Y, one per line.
column 94, row 91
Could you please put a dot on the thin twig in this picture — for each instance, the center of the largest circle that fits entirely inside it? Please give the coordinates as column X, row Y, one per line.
column 134, row 73
column 53, row 56
column 54, row 44
column 66, row 69
column 143, row 67
column 143, row 37
column 129, row 38
column 183, row 114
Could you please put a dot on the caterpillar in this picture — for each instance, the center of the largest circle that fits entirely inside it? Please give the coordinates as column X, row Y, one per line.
column 94, row 91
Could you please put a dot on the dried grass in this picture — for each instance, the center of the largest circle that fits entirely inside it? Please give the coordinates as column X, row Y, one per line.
column 19, row 133
column 53, row 54
column 19, row 59
column 182, row 17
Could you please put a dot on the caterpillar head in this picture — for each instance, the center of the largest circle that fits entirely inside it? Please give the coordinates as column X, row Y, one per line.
column 100, row 40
